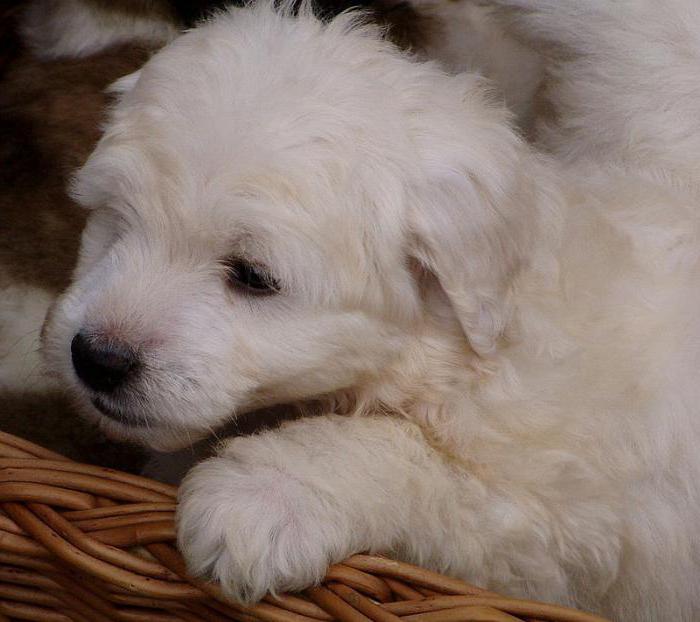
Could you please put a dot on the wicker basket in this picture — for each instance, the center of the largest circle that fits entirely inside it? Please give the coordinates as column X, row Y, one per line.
column 88, row 544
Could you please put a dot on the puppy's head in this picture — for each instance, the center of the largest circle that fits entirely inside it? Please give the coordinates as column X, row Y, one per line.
column 262, row 195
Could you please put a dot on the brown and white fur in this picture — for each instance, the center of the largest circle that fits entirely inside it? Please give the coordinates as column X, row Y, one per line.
column 50, row 116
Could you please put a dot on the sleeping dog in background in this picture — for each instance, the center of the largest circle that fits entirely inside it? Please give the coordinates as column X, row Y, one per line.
column 505, row 343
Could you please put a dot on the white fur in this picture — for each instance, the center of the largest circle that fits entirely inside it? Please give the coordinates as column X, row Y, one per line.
column 467, row 36
column 22, row 312
column 76, row 28
column 624, row 80
column 508, row 348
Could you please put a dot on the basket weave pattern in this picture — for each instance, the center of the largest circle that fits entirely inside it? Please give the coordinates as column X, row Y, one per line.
column 88, row 544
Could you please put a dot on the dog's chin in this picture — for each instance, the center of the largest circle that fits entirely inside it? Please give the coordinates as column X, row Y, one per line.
column 166, row 441
column 163, row 439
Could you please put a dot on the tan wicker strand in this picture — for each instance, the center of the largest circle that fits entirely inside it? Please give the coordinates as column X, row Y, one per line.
column 168, row 492
column 98, row 484
column 402, row 591
column 14, row 452
column 474, row 613
column 417, row 576
column 98, row 550
column 362, row 603
column 335, row 605
column 361, row 581
column 43, row 493
column 74, row 604
column 428, row 593
column 10, row 442
column 32, row 596
column 85, row 594
column 134, row 535
column 262, row 611
column 99, row 596
column 21, row 611
column 119, row 510
column 80, row 543
column 10, row 526
column 112, row 522
column 299, row 605
column 20, row 576
column 14, row 561
column 143, row 602
column 137, row 615
column 202, row 611
column 22, row 545
column 75, row 616
column 71, row 555
column 527, row 608
column 189, row 617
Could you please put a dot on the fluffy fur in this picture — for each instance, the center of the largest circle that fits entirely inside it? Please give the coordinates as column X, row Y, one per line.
column 507, row 349
column 465, row 35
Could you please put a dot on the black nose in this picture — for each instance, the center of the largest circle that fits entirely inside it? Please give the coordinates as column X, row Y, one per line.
column 101, row 365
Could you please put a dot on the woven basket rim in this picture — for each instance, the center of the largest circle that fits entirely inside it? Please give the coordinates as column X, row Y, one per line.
column 86, row 543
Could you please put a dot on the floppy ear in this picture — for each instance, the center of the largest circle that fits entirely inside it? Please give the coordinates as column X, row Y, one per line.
column 475, row 215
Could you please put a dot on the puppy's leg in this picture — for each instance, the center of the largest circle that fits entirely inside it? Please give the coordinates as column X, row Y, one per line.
column 272, row 511
column 624, row 77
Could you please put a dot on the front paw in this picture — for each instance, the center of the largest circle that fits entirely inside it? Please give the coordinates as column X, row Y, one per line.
column 256, row 529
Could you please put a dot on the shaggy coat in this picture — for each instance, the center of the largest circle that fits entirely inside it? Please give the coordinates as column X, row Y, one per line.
column 507, row 345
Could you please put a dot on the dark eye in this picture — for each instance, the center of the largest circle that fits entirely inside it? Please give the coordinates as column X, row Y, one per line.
column 250, row 278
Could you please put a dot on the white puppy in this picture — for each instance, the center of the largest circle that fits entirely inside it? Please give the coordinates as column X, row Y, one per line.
column 508, row 350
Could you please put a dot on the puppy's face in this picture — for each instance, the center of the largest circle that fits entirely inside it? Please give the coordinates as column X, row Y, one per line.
column 249, row 236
